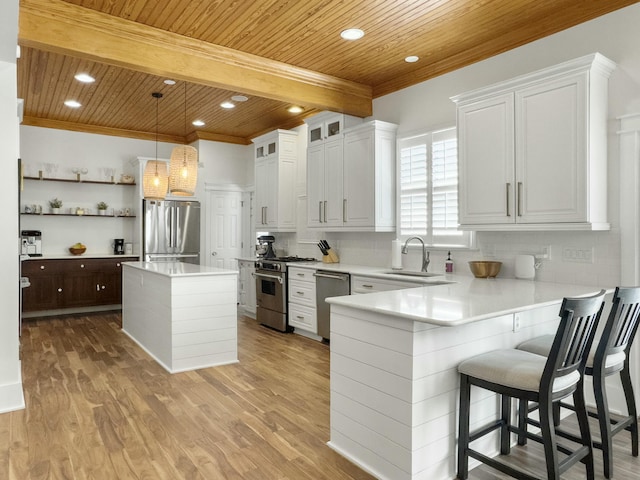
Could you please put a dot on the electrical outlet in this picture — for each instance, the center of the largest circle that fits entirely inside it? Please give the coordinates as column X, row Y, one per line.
column 516, row 323
column 578, row 255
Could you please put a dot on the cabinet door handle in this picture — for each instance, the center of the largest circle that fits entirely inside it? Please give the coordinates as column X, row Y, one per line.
column 82, row 265
column 367, row 286
column 344, row 210
column 41, row 267
column 59, row 290
column 103, row 287
column 519, row 199
column 300, row 274
column 320, row 211
column 508, row 189
column 325, row 211
column 300, row 293
column 97, row 288
column 299, row 317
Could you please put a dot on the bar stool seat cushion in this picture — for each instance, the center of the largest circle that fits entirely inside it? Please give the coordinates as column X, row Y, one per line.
column 542, row 345
column 513, row 368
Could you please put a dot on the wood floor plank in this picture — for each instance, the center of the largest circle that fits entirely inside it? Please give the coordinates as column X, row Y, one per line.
column 98, row 407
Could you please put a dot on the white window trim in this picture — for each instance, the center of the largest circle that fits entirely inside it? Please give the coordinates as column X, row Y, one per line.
column 440, row 242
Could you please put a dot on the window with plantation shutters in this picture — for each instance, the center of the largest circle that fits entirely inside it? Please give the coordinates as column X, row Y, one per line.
column 428, row 193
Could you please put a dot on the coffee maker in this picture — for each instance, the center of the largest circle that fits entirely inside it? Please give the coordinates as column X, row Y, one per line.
column 118, row 246
column 265, row 246
column 31, row 241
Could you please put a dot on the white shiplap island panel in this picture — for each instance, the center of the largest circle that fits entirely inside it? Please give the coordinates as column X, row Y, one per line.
column 394, row 379
column 183, row 315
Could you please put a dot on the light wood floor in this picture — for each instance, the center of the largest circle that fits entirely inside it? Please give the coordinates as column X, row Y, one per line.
column 98, row 407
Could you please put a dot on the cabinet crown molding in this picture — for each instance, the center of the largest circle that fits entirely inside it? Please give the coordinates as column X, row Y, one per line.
column 594, row 61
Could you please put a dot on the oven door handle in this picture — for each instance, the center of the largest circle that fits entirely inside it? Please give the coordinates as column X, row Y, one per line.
column 274, row 277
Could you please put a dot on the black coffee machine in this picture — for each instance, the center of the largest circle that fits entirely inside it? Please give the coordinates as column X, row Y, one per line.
column 118, row 246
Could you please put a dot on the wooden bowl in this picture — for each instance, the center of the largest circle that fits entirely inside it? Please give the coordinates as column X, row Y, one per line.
column 485, row 269
column 77, row 251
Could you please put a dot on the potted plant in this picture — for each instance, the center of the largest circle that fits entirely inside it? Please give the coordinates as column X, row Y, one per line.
column 102, row 208
column 56, row 205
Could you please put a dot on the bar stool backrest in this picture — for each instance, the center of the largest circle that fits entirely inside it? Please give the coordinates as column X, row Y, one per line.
column 578, row 321
column 621, row 327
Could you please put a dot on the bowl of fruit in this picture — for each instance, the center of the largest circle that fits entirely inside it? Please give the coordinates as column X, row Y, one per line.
column 78, row 249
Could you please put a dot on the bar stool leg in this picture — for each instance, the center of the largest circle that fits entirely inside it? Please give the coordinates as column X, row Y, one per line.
column 549, row 439
column 523, row 412
column 625, row 378
column 463, row 427
column 505, row 437
column 604, row 421
column 583, row 423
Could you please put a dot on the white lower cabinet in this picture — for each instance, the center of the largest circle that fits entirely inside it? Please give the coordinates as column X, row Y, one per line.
column 247, row 287
column 302, row 300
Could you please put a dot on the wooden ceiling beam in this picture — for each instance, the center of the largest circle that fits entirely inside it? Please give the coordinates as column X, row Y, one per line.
column 60, row 27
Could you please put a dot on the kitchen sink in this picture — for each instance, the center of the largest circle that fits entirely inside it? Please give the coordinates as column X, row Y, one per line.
column 409, row 273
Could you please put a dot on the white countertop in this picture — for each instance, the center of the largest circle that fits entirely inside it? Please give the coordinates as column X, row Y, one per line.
column 467, row 300
column 179, row 269
column 68, row 256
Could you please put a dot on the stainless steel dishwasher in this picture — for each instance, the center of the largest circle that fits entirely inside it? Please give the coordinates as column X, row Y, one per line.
column 328, row 284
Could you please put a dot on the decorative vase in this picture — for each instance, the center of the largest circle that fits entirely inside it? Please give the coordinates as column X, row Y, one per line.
column 55, row 211
column 102, row 212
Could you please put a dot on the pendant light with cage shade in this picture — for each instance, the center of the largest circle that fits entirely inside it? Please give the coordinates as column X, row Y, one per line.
column 183, row 169
column 155, row 179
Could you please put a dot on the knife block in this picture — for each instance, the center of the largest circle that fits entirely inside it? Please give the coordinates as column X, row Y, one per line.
column 330, row 257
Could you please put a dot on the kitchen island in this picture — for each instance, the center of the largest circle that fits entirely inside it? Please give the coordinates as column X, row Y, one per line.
column 181, row 314
column 394, row 358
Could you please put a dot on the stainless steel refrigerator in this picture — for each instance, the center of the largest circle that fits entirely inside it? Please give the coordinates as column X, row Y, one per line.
column 171, row 231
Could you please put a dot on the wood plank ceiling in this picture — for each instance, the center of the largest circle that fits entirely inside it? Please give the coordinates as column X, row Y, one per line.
column 276, row 52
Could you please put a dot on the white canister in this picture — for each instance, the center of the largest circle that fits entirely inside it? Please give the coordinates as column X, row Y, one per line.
column 525, row 267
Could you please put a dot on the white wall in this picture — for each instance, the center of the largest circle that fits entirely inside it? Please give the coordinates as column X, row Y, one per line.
column 427, row 106
column 221, row 163
column 11, row 397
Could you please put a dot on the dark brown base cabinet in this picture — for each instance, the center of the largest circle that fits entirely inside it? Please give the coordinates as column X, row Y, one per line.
column 73, row 283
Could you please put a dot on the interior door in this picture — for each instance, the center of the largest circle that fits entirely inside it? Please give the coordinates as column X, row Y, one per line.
column 224, row 239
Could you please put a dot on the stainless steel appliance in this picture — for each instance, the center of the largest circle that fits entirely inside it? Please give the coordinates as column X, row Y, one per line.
column 31, row 243
column 329, row 284
column 271, row 291
column 171, row 231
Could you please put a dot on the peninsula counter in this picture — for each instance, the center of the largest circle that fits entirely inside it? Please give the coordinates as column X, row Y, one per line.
column 394, row 357
column 183, row 315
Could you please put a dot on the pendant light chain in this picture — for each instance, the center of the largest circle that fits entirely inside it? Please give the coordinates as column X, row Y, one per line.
column 155, row 179
column 183, row 175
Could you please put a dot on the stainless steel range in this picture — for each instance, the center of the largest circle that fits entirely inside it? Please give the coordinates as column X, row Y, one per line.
column 271, row 291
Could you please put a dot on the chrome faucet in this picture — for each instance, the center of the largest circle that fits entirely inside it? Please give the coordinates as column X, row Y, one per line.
column 425, row 253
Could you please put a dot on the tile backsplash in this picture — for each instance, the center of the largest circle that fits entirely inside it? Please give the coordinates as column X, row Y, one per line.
column 586, row 258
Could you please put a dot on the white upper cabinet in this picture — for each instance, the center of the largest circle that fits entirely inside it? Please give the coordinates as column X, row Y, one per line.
column 533, row 151
column 369, row 181
column 276, row 155
column 350, row 174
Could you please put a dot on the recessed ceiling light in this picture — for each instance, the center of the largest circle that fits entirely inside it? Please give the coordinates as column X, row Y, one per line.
column 411, row 59
column 72, row 103
column 295, row 109
column 198, row 123
column 352, row 34
column 84, row 78
column 168, row 81
column 239, row 98
column 227, row 105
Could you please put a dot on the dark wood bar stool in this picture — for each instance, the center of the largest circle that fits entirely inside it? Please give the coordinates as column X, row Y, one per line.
column 530, row 377
column 609, row 357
